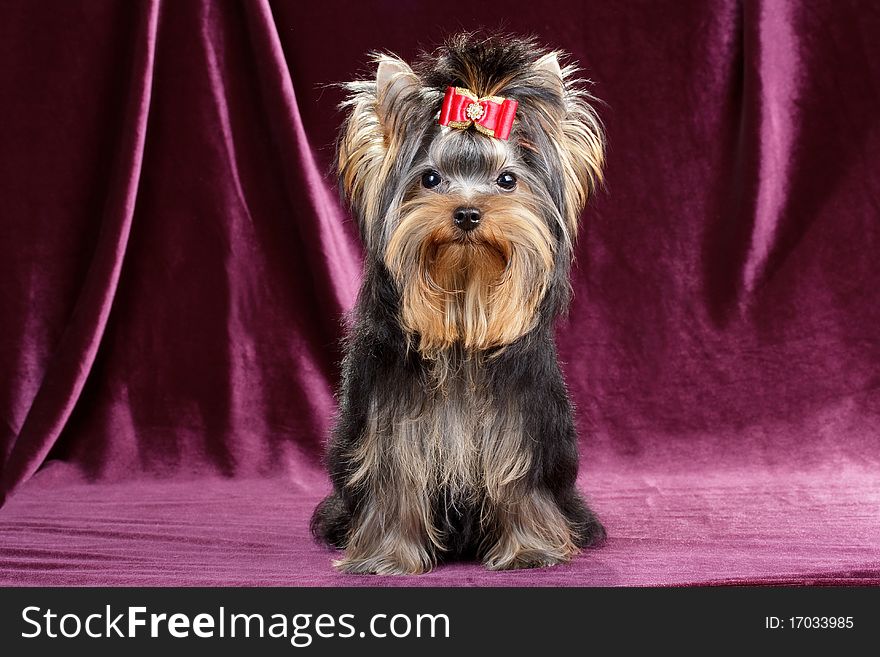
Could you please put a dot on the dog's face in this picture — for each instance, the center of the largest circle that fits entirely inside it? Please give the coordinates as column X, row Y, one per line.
column 473, row 229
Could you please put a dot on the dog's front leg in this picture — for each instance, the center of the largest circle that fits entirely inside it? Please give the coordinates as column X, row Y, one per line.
column 528, row 531
column 391, row 532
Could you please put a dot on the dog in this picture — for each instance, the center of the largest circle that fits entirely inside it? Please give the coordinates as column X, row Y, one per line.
column 455, row 439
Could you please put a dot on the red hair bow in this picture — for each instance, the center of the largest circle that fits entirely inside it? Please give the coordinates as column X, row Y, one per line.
column 491, row 115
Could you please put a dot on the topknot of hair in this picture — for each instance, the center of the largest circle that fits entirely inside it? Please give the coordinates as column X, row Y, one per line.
column 487, row 64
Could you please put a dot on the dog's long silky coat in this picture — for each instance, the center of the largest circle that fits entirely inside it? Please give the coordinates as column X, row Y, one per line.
column 455, row 436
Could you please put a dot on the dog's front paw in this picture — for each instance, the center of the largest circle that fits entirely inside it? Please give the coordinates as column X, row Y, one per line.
column 525, row 559
column 386, row 564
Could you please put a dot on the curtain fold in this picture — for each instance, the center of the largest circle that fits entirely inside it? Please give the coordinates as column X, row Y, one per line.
column 335, row 259
column 72, row 360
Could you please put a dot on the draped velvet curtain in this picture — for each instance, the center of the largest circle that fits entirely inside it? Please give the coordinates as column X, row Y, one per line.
column 175, row 266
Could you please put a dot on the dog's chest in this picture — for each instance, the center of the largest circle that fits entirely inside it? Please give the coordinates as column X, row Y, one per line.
column 458, row 437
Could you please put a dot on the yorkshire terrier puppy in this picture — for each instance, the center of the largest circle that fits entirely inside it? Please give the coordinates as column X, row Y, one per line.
column 467, row 174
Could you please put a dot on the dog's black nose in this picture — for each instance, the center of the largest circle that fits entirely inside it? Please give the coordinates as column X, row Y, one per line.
column 466, row 218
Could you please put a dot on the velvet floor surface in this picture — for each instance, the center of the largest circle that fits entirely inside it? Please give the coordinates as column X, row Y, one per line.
column 728, row 526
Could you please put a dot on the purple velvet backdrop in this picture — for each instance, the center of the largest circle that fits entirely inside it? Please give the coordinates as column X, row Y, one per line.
column 175, row 266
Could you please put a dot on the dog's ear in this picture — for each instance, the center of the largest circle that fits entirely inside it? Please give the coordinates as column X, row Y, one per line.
column 394, row 79
column 580, row 139
column 372, row 137
column 549, row 66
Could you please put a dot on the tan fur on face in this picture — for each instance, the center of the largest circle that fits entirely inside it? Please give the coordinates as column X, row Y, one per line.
column 480, row 290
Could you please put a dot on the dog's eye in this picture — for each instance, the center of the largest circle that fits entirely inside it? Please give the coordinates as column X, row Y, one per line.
column 431, row 179
column 506, row 181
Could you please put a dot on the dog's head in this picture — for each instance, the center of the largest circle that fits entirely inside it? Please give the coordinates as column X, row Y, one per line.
column 474, row 224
